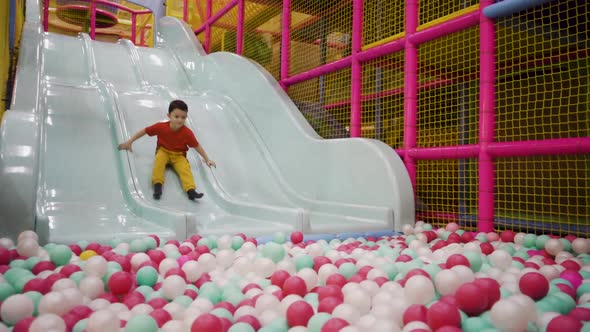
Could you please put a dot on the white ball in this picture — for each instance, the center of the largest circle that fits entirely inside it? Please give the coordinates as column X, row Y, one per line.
column 202, row 304
column 6, row 243
column 264, row 267
column 137, row 259
column 309, row 276
column 500, row 259
column 447, row 282
column 173, row 286
column 166, row 264
column 99, row 304
column 175, row 310
column 507, row 316
column 95, row 266
column 191, row 270
column 53, row 303
column 63, row 284
column 267, row 316
column 419, row 290
column 27, row 247
column 224, row 242
column 47, row 322
column 15, row 308
column 267, row 302
column 28, row 234
column 554, row 246
column 581, row 246
column 103, row 320
column 73, row 297
column 415, row 325
column 244, row 311
column 325, row 271
column 91, row 287
column 346, row 311
column 173, row 326
column 359, row 299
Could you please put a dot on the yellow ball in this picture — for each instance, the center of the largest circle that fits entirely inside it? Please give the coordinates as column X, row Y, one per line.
column 86, row 254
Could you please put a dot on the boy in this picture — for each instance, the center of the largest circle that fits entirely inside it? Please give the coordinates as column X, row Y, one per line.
column 174, row 139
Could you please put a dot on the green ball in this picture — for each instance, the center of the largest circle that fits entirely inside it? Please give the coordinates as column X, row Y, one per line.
column 474, row 259
column 114, row 266
column 540, row 241
column 77, row 277
column 6, row 290
column 147, row 276
column 481, row 237
column 80, row 325
column 584, row 288
column 150, row 243
column 445, row 235
column 567, row 245
column 18, row 263
column 474, row 324
column 241, row 327
column 114, row 242
column 154, row 295
column 303, row 261
column 174, row 254
column 141, row 323
column 410, row 238
column 137, row 245
column 279, row 237
column 508, row 248
column 274, row 251
column 31, row 262
column 35, row 297
column 427, row 227
column 317, row 321
column 145, row 290
column 60, row 255
column 213, row 240
column 236, row 242
column 183, row 300
column 210, row 291
column 347, row 269
column 222, row 313
column 530, row 241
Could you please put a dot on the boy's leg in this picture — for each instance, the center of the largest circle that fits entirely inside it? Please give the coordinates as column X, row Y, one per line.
column 183, row 169
column 160, row 161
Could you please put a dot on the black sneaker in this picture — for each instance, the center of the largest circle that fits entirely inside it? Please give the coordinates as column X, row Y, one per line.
column 192, row 194
column 157, row 190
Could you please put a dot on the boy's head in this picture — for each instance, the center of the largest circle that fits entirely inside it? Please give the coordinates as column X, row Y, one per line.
column 177, row 112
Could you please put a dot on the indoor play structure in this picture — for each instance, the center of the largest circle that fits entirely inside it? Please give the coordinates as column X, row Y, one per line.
column 60, row 158
column 486, row 104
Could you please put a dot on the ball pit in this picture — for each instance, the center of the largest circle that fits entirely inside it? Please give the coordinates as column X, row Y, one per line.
column 427, row 279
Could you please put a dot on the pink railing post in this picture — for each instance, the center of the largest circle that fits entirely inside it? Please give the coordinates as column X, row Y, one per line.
column 356, row 106
column 133, row 28
column 285, row 42
column 208, row 12
column 185, row 10
column 93, row 20
column 487, row 102
column 240, row 28
column 46, row 15
column 411, row 89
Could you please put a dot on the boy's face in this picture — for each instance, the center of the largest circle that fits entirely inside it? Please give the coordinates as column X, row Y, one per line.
column 177, row 118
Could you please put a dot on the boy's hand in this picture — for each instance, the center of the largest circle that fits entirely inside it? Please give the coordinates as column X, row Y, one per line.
column 210, row 163
column 125, row 146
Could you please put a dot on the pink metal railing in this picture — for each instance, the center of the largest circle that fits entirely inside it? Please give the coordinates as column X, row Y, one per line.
column 93, row 7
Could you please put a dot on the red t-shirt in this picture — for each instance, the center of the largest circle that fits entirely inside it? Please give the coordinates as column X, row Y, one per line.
column 178, row 141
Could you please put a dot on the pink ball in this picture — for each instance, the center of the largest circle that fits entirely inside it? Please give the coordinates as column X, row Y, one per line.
column 571, row 265
column 155, row 237
column 161, row 316
column 175, row 271
column 567, row 289
column 69, row 269
column 279, row 277
column 454, row 238
column 404, row 258
column 70, row 320
column 574, row 277
column 173, row 242
column 328, row 304
column 207, row 323
column 191, row 293
column 334, row 325
column 467, row 237
column 156, row 255
column 457, row 259
column 296, row 237
column 534, row 285
column 299, row 313
column 5, row 256
column 75, row 249
column 295, row 285
column 23, row 325
column 492, row 289
column 121, row 282
column 251, row 320
column 415, row 313
column 442, row 314
column 448, row 328
column 183, row 259
column 492, row 236
column 43, row 266
column 184, row 250
column 452, row 227
column 249, row 287
column 564, row 323
column 507, row 236
column 225, row 305
column 486, row 248
column 472, row 299
column 37, row 284
column 580, row 313
column 157, row 303
column 318, row 261
column 81, row 311
column 329, row 291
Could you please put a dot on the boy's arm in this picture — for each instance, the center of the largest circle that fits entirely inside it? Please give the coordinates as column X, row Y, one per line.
column 127, row 144
column 203, row 154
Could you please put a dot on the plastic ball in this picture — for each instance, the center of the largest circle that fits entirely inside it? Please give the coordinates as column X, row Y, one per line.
column 507, row 316
column 207, row 323
column 442, row 314
column 294, row 285
column 419, row 290
column 120, row 282
column 296, row 237
column 334, row 325
column 415, row 312
column 16, row 307
column 534, row 284
column 564, row 323
column 299, row 313
column 472, row 299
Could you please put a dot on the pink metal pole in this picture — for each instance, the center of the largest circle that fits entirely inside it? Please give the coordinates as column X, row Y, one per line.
column 445, row 152
column 574, row 145
column 217, row 16
column 446, row 28
column 46, row 15
column 317, row 72
column 487, row 102
column 356, row 106
column 208, row 12
column 133, row 28
column 286, row 44
column 185, row 10
column 411, row 89
column 240, row 27
column 93, row 20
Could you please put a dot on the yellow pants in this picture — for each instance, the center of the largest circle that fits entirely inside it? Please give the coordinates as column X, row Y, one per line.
column 178, row 162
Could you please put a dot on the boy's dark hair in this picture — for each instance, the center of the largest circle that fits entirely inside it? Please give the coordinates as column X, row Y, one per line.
column 181, row 105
